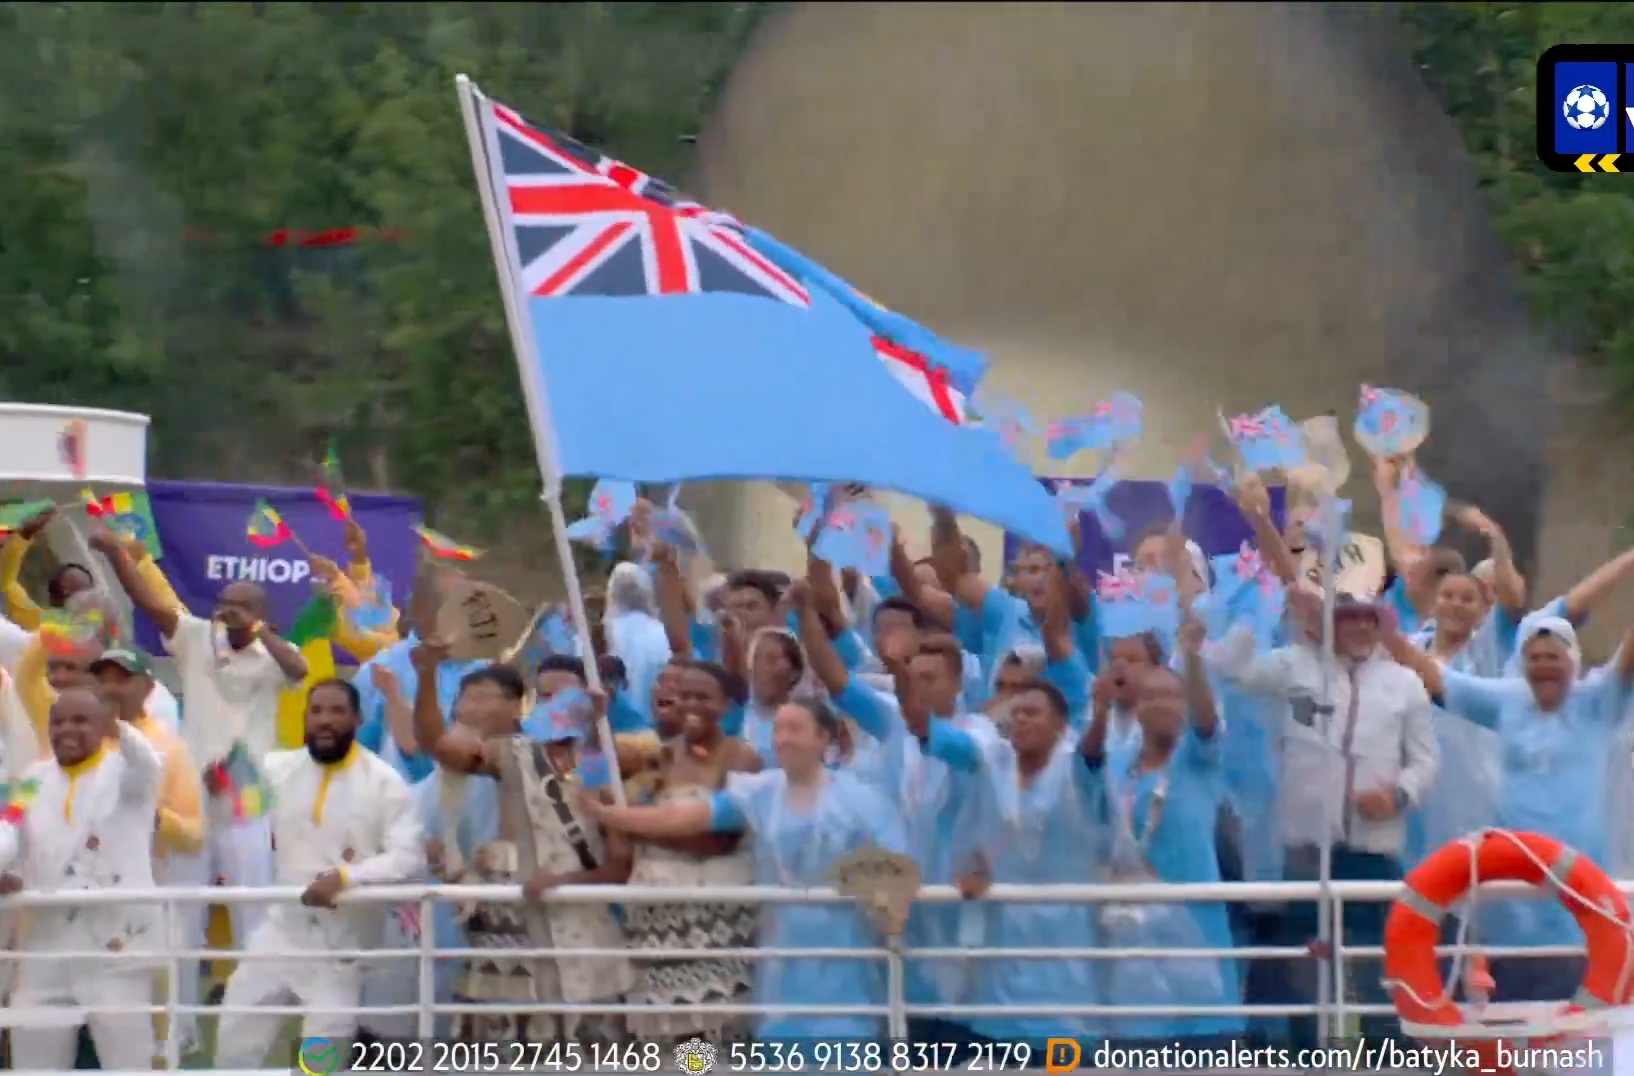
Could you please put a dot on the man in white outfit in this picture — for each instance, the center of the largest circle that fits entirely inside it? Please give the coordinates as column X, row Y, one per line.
column 86, row 823
column 232, row 668
column 342, row 817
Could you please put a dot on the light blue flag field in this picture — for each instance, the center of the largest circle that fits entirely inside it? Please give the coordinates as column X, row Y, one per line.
column 1422, row 503
column 1131, row 603
column 657, row 347
column 1110, row 424
column 965, row 368
column 1390, row 422
column 1266, row 440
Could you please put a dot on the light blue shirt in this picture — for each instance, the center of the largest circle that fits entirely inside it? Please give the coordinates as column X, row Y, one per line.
column 1178, row 835
column 1554, row 779
column 375, row 733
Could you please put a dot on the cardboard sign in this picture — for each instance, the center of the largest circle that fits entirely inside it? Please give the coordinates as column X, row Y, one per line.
column 478, row 620
column 1361, row 568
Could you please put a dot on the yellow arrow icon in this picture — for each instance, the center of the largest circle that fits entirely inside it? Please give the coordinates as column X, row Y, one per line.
column 1608, row 163
column 1585, row 163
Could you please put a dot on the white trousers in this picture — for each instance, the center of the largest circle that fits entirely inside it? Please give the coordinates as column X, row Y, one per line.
column 319, row 986
column 240, row 854
column 124, row 1043
column 193, row 870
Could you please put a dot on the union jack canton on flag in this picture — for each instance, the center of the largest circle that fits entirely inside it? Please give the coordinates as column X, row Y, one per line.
column 587, row 224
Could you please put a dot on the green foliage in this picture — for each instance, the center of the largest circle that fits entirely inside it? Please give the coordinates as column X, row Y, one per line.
column 1572, row 237
column 147, row 150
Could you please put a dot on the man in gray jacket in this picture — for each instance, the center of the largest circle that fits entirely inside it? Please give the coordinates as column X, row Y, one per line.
column 1356, row 750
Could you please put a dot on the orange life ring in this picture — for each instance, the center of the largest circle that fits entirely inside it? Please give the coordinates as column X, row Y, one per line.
column 1414, row 927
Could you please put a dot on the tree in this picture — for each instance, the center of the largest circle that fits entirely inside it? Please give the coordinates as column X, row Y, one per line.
column 1572, row 237
column 149, row 150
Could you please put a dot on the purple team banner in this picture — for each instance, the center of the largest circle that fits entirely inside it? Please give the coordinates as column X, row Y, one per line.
column 202, row 528
column 1212, row 521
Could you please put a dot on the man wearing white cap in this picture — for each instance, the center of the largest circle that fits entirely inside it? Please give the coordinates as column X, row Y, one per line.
column 1558, row 729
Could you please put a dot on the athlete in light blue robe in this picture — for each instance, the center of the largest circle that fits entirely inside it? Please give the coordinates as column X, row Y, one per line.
column 1556, row 732
column 945, row 810
column 1165, row 798
column 1057, row 835
column 802, row 819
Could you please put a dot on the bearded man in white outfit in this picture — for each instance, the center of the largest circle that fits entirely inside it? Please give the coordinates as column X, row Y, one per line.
column 341, row 817
column 86, row 822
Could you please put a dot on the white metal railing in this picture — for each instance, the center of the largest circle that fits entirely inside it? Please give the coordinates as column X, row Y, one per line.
column 1330, row 1014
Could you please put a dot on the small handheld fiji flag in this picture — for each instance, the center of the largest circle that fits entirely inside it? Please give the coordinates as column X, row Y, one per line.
column 1267, row 440
column 266, row 528
column 1110, row 424
column 374, row 610
column 1092, row 498
column 593, row 772
column 611, row 503
column 819, row 498
column 613, row 500
column 856, row 535
column 443, row 547
column 564, row 716
column 1423, row 506
column 1005, row 418
column 1245, row 590
column 675, row 528
column 1119, row 607
column 1390, row 422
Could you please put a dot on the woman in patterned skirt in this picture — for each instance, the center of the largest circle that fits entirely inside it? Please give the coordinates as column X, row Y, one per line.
column 695, row 767
column 545, row 841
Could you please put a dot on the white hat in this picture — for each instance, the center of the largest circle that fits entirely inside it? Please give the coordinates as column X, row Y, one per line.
column 1559, row 627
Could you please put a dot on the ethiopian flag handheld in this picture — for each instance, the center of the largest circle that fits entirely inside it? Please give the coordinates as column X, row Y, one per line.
column 129, row 515
column 266, row 527
column 311, row 632
column 443, row 547
column 332, row 486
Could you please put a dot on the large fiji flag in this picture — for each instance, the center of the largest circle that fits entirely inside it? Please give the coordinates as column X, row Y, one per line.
column 958, row 369
column 657, row 345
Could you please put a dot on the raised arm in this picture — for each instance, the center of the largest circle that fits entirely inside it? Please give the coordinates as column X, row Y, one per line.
column 456, row 752
column 686, row 819
column 181, row 802
column 144, row 770
column 1592, row 589
column 155, row 606
column 1254, row 501
column 23, row 610
column 1067, row 668
column 934, row 602
column 1508, row 585
column 1205, row 717
column 1234, row 660
column 670, row 593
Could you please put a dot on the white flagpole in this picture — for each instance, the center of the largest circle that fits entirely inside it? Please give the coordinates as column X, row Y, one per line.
column 484, row 162
column 1328, row 931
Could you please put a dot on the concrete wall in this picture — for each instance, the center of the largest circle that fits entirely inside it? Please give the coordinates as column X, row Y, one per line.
column 1206, row 204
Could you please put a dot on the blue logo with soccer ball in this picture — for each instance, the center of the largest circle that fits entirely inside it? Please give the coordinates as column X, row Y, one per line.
column 1586, row 108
